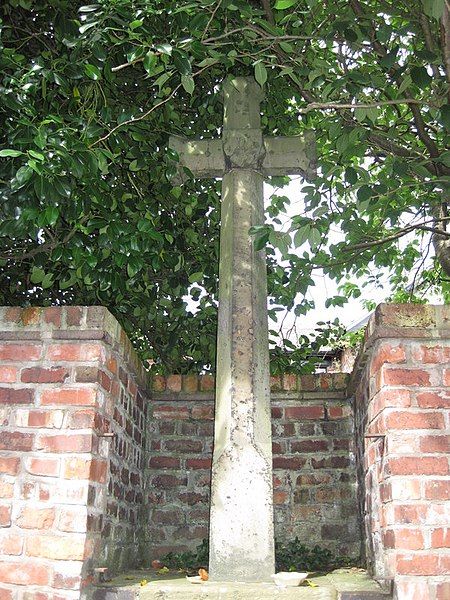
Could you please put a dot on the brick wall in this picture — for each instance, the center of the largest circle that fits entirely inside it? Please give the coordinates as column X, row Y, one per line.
column 70, row 449
column 314, row 470
column 402, row 402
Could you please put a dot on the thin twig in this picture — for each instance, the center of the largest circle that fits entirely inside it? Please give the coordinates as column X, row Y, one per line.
column 338, row 106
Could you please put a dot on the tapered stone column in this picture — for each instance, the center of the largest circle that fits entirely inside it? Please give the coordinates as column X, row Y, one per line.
column 241, row 521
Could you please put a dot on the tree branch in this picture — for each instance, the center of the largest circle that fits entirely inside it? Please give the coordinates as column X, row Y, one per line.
column 338, row 106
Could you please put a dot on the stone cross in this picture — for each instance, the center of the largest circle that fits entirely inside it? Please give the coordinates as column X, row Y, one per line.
column 241, row 518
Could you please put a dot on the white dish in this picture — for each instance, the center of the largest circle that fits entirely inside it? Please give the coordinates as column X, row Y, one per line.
column 289, row 579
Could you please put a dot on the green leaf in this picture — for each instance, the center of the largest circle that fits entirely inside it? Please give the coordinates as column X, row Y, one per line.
column 420, row 76
column 433, row 8
column 181, row 62
column 47, row 281
column 196, row 277
column 260, row 73
column 314, row 237
column 164, row 49
column 92, row 72
column 37, row 275
column 135, row 24
column 283, row 4
column 187, row 81
column 301, row 235
column 150, row 62
column 51, row 215
column 36, row 155
column 9, row 152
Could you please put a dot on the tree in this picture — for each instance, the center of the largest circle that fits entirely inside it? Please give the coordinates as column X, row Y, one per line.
column 90, row 94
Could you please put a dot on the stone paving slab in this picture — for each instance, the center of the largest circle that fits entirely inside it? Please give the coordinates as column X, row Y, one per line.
column 342, row 584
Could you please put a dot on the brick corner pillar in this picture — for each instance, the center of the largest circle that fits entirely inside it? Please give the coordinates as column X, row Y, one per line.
column 70, row 400
column 401, row 389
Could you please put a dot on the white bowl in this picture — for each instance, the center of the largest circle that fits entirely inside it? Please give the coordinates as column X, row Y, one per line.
column 289, row 579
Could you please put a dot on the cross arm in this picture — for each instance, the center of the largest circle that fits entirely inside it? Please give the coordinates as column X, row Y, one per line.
column 203, row 157
column 291, row 156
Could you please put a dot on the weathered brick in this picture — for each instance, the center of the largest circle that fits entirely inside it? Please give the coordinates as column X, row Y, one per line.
column 10, row 395
column 52, row 315
column 74, row 352
column 435, row 443
column 9, row 465
column 289, row 382
column 25, row 573
column 433, row 400
column 44, row 375
column 170, row 411
column 20, row 352
column 288, row 462
column 164, row 462
column 421, row 465
column 32, row 517
column 440, row 538
column 387, row 353
column 68, row 396
column 203, row 412
column 438, row 489
column 207, row 383
column 56, row 547
column 74, row 315
column 304, row 412
column 5, row 516
column 183, row 446
column 198, row 463
column 419, row 420
column 417, row 564
column 190, row 383
column 173, row 383
column 310, row 446
column 64, row 443
column 8, row 374
column 6, row 489
column 43, row 466
column 167, row 480
column 409, row 377
column 16, row 441
column 11, row 544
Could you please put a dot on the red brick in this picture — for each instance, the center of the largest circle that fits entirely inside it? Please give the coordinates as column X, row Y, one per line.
column 420, row 465
column 98, row 471
column 409, row 420
column 309, row 446
column 435, row 443
column 433, row 400
column 410, row 377
column 417, row 564
column 6, row 594
column 446, row 377
column 307, row 383
column 183, row 446
column 440, row 538
column 173, row 383
column 20, row 352
column 289, row 382
column 431, row 354
column 408, row 539
column 25, row 573
column 280, row 497
column 198, row 463
column 82, row 419
column 5, row 516
column 304, row 412
column 158, row 383
column 207, row 383
column 275, row 383
column 443, row 590
column 11, row 544
column 387, row 353
column 65, row 443
column 164, row 462
column 6, row 489
column 171, row 411
column 391, row 397
column 438, row 489
column 285, row 462
column 30, row 316
column 10, row 395
column 53, row 315
column 190, row 383
column 16, row 441
column 73, row 315
column 72, row 397
column 167, row 480
column 41, row 375
column 13, row 314
column 8, row 374
column 111, row 365
column 76, row 468
column 203, row 412
column 9, row 465
column 74, row 352
column 32, row 517
column 43, row 466
column 276, row 412
column 56, row 547
column 42, row 418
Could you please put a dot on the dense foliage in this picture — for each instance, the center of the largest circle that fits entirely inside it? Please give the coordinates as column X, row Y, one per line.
column 90, row 212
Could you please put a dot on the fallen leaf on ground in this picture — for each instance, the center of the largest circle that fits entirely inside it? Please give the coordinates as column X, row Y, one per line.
column 163, row 571
column 203, row 574
column 143, row 582
column 311, row 583
column 157, row 564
